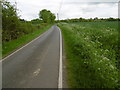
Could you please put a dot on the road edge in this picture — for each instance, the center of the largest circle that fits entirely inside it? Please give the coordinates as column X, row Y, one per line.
column 24, row 45
column 60, row 63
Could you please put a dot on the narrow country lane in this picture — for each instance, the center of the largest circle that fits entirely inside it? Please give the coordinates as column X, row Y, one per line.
column 36, row 65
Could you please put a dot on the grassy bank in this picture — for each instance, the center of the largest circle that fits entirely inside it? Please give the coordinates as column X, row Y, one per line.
column 10, row 46
column 91, row 51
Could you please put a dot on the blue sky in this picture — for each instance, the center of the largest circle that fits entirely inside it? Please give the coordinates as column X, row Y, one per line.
column 29, row 9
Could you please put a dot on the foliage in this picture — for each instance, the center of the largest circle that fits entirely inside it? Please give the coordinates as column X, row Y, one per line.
column 10, row 46
column 91, row 49
column 13, row 26
column 16, row 31
column 47, row 16
column 10, row 21
column 89, row 20
column 36, row 21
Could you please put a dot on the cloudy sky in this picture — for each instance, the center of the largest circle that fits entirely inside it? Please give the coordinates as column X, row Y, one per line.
column 29, row 9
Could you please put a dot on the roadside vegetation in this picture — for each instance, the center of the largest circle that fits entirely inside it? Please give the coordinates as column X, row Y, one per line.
column 11, row 46
column 91, row 45
column 16, row 31
column 91, row 54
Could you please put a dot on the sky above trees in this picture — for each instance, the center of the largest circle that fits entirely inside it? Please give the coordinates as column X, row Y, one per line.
column 29, row 9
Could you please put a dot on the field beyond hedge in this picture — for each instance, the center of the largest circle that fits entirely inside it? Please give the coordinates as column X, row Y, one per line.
column 91, row 51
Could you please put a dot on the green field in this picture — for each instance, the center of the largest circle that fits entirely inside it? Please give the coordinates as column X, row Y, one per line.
column 9, row 47
column 91, row 51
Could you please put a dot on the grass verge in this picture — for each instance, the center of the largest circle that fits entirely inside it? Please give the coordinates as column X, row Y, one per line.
column 91, row 54
column 9, row 47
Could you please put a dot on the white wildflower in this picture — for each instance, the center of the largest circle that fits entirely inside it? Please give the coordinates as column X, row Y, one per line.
column 98, row 68
column 112, row 66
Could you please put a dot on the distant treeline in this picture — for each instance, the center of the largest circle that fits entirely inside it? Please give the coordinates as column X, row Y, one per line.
column 37, row 21
column 13, row 27
column 89, row 20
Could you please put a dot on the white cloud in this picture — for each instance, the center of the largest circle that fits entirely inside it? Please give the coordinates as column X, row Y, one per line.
column 70, row 8
column 78, row 1
column 89, row 10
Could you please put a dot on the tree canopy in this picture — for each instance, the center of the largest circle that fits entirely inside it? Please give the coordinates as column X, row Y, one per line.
column 10, row 20
column 9, row 15
column 47, row 16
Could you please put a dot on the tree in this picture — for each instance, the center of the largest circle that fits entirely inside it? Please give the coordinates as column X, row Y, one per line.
column 47, row 16
column 10, row 21
column 111, row 19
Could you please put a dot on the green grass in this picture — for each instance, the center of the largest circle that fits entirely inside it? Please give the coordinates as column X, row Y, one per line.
column 9, row 47
column 91, row 51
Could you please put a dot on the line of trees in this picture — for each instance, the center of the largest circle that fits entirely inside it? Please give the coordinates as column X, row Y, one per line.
column 13, row 27
column 89, row 20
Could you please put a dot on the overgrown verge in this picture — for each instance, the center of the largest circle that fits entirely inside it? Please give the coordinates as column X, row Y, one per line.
column 10, row 46
column 91, row 50
column 17, row 32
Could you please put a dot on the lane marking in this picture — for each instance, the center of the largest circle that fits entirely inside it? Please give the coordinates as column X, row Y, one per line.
column 60, row 64
column 24, row 46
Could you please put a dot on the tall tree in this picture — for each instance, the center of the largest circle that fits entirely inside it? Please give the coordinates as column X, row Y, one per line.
column 47, row 16
column 10, row 21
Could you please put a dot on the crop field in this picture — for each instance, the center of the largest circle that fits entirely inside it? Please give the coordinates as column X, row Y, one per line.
column 91, row 54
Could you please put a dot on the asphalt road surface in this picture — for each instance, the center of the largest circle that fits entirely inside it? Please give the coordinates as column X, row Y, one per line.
column 36, row 65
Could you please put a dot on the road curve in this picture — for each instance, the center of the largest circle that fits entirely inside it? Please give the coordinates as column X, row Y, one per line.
column 36, row 65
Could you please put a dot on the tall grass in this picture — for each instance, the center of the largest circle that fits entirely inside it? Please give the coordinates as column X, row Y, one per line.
column 10, row 46
column 91, row 49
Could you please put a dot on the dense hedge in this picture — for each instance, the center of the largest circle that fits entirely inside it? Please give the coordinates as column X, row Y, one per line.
column 13, row 26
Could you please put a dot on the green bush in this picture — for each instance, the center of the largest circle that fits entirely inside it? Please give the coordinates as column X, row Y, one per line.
column 13, row 27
